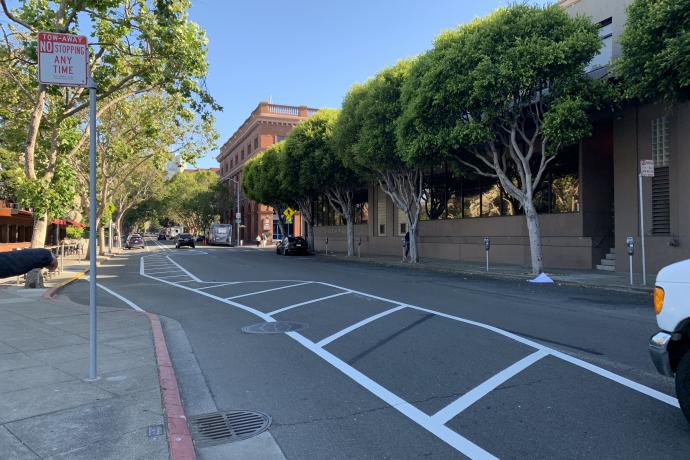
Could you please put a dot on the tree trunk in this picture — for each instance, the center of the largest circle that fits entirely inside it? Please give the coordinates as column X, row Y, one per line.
column 534, row 232
column 34, row 279
column 101, row 241
column 118, row 232
column 306, row 207
column 405, row 190
column 38, row 237
column 32, row 135
column 350, row 236
column 414, row 252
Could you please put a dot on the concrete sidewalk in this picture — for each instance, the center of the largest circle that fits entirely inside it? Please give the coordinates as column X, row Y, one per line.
column 584, row 278
column 48, row 410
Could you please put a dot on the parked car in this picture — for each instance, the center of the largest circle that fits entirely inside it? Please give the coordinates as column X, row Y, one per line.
column 292, row 245
column 670, row 347
column 184, row 239
column 161, row 236
column 135, row 241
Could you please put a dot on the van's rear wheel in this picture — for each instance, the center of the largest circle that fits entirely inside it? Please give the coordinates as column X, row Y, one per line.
column 683, row 384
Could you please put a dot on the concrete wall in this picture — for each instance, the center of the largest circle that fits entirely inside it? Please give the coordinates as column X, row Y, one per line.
column 462, row 239
column 632, row 143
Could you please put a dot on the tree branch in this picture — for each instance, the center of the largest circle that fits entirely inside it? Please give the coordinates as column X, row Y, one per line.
column 13, row 18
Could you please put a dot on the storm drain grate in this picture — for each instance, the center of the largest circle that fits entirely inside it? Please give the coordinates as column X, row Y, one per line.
column 222, row 427
column 275, row 327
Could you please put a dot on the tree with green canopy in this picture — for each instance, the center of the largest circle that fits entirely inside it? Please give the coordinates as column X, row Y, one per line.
column 502, row 95
column 136, row 46
column 365, row 137
column 312, row 167
column 262, row 181
column 655, row 63
column 143, row 129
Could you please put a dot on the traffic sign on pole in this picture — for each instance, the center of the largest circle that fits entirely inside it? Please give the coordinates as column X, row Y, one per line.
column 63, row 59
column 647, row 168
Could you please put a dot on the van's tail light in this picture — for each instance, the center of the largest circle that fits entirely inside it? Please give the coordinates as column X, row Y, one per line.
column 658, row 299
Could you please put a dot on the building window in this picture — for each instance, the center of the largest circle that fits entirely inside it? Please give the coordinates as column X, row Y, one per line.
column 280, row 137
column 402, row 222
column 606, row 54
column 242, row 154
column 256, row 142
column 381, row 213
column 447, row 196
column 660, row 141
column 661, row 182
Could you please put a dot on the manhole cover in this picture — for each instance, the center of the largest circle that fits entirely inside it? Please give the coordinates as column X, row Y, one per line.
column 275, row 327
column 230, row 426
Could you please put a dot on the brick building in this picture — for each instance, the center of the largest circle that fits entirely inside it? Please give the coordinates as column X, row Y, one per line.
column 266, row 125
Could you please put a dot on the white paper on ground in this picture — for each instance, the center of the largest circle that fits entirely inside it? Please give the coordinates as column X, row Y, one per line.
column 542, row 278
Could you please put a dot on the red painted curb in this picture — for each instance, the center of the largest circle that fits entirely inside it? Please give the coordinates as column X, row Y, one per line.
column 179, row 438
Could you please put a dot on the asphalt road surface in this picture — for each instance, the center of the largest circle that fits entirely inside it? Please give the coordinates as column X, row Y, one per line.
column 391, row 363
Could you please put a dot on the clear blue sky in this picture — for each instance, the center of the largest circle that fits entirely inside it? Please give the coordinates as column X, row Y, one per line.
column 309, row 52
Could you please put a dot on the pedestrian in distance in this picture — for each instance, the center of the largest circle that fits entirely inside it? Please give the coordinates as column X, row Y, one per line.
column 20, row 262
column 258, row 240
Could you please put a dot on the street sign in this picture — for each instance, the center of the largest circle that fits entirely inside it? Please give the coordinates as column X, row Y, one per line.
column 647, row 168
column 238, row 221
column 63, row 59
column 238, row 215
column 288, row 213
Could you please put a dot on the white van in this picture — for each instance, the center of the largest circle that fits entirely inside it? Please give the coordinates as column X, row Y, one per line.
column 670, row 347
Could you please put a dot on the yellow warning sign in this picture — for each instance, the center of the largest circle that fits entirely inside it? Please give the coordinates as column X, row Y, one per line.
column 288, row 213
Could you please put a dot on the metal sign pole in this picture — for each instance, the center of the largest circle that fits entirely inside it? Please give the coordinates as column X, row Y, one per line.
column 644, row 260
column 92, row 233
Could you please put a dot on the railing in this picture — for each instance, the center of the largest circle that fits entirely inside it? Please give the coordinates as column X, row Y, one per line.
column 282, row 109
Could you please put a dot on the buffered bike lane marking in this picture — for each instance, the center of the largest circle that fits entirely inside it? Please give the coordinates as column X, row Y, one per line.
column 436, row 423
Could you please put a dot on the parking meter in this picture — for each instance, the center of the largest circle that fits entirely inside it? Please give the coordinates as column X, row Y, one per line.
column 630, row 246
column 487, row 246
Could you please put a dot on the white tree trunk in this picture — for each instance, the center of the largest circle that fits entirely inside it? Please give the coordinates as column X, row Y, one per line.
column 534, row 232
column 350, row 237
column 38, row 237
column 341, row 200
column 405, row 190
column 305, row 206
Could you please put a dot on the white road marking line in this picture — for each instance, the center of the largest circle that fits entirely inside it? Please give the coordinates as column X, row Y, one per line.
column 162, row 272
column 115, row 294
column 323, row 342
column 268, row 290
column 617, row 378
column 188, row 281
column 475, row 394
column 183, row 269
column 175, row 276
column 446, row 434
column 290, row 307
column 254, row 311
column 216, row 285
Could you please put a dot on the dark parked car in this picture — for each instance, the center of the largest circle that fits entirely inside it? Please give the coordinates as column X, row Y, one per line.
column 161, row 236
column 184, row 239
column 292, row 245
column 134, row 241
